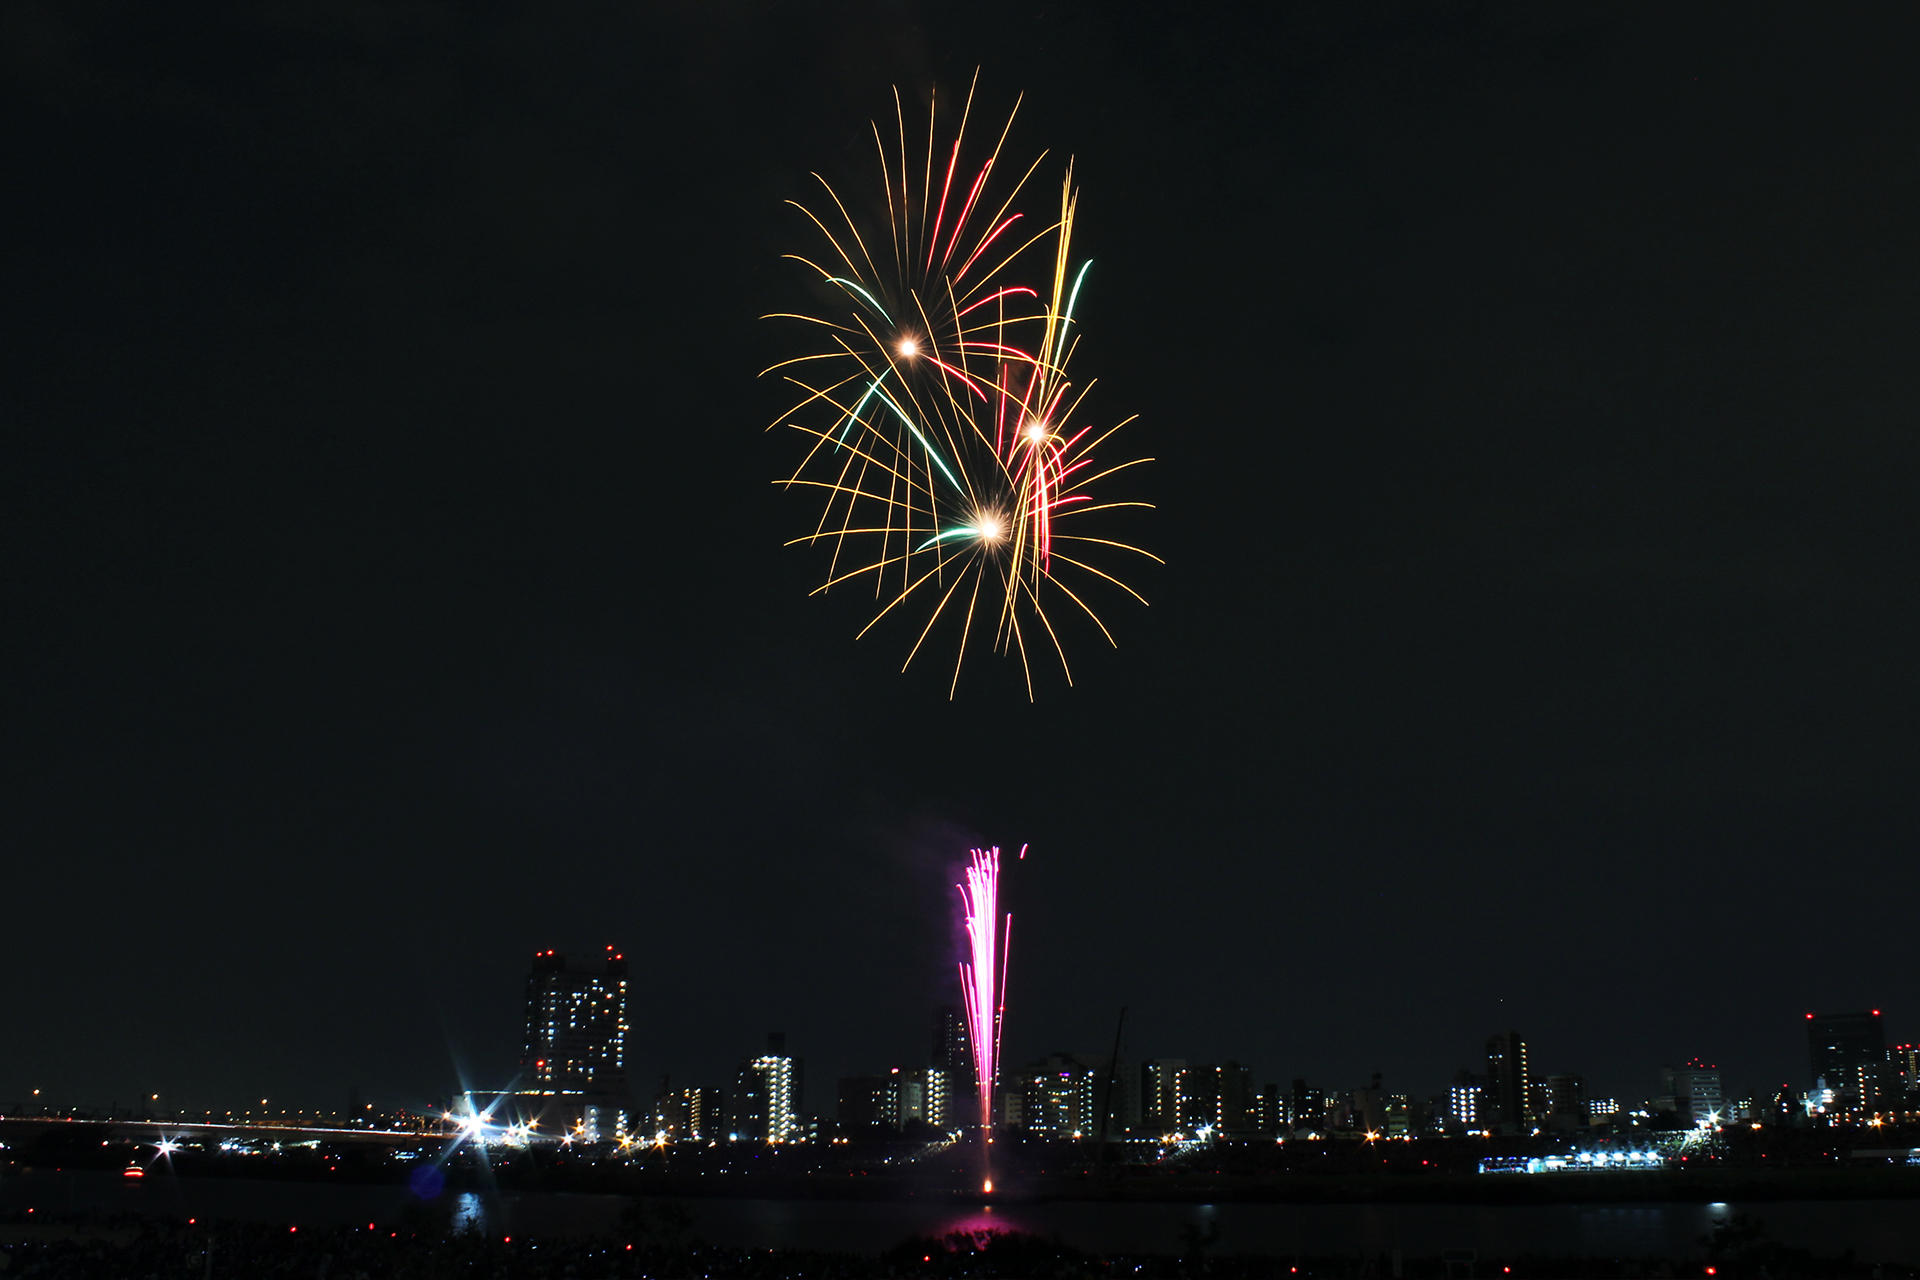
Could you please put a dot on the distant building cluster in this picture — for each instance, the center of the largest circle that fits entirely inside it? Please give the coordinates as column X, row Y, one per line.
column 574, row 1084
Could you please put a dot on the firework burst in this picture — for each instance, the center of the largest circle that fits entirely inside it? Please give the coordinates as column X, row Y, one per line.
column 942, row 428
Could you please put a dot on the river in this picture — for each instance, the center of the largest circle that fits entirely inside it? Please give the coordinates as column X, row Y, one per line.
column 1877, row 1230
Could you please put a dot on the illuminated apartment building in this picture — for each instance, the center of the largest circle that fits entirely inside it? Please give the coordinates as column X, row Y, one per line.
column 574, row 1066
column 766, row 1105
column 1507, row 1084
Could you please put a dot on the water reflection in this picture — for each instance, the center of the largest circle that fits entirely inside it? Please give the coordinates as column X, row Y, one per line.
column 975, row 1223
column 468, row 1213
column 1886, row 1230
column 1159, row 1228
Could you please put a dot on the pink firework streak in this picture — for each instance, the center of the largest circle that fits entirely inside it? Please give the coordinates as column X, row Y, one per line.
column 983, row 982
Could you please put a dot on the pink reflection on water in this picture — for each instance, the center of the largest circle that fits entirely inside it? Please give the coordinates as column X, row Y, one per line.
column 978, row 1224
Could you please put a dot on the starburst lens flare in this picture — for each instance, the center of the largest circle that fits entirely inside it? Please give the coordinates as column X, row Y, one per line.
column 937, row 388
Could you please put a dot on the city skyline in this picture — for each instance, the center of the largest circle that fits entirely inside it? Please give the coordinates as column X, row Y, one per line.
column 572, row 1076
column 398, row 584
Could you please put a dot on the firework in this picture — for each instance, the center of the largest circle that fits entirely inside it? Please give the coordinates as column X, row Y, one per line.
column 941, row 426
column 983, row 977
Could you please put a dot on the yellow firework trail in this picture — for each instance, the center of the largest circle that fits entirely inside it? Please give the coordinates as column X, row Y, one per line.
column 940, row 426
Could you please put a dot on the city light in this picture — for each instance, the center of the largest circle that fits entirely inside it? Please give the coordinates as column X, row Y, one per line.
column 1195, row 1111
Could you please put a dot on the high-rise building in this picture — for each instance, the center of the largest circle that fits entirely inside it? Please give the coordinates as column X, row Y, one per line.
column 1216, row 1097
column 668, row 1118
column 1306, row 1108
column 1270, row 1109
column 942, row 1109
column 1117, row 1088
column 690, row 1115
column 1565, row 1099
column 1060, row 1098
column 862, row 1104
column 1467, row 1105
column 576, row 1045
column 1507, row 1083
column 1875, row 1082
column 767, row 1101
column 1160, row 1093
column 1906, row 1061
column 906, row 1097
column 949, row 1082
column 1837, row 1043
column 706, row 1113
column 952, row 1051
column 1695, row 1090
column 1369, row 1107
column 1063, row 1095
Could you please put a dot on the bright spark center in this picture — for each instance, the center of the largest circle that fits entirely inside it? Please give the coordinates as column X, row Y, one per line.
column 990, row 530
column 1036, row 433
column 909, row 348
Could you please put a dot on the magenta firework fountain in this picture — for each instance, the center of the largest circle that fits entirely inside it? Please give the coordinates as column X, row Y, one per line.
column 983, row 977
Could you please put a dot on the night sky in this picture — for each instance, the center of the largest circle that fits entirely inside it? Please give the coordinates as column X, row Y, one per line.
column 393, row 583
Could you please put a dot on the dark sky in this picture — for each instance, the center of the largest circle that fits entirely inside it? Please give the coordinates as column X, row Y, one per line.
column 393, row 584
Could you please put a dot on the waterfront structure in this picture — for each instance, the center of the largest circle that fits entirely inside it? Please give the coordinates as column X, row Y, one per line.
column 1507, row 1083
column 574, row 1063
